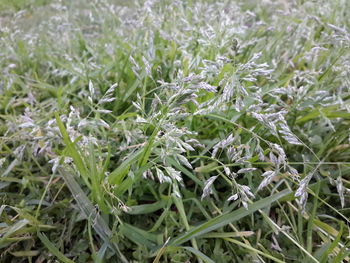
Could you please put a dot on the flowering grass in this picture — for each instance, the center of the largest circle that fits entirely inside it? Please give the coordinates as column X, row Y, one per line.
column 174, row 131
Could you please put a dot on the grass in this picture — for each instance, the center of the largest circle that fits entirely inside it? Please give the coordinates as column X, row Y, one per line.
column 174, row 131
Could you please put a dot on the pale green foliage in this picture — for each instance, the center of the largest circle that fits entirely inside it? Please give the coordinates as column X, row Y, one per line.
column 125, row 125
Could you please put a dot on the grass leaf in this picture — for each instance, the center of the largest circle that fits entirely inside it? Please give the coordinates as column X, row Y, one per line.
column 227, row 218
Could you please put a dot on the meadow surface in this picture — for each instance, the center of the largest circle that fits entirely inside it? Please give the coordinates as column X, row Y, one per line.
column 174, row 131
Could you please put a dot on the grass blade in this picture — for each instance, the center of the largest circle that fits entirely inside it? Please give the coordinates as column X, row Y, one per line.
column 12, row 229
column 225, row 219
column 53, row 249
column 253, row 249
column 72, row 151
column 199, row 254
column 88, row 209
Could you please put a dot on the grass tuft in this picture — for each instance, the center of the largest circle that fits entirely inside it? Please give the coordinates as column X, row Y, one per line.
column 174, row 131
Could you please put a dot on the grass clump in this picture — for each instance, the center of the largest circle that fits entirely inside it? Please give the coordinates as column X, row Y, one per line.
column 174, row 131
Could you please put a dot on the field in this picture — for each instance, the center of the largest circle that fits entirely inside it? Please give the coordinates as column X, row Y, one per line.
column 174, row 131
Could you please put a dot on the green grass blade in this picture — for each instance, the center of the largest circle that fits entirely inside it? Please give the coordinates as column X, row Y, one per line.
column 26, row 253
column 139, row 236
column 88, row 209
column 101, row 253
column 118, row 174
column 253, row 249
column 199, row 254
column 180, row 207
column 332, row 245
column 311, row 220
column 148, row 208
column 53, row 249
column 72, row 151
column 14, row 228
column 225, row 219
